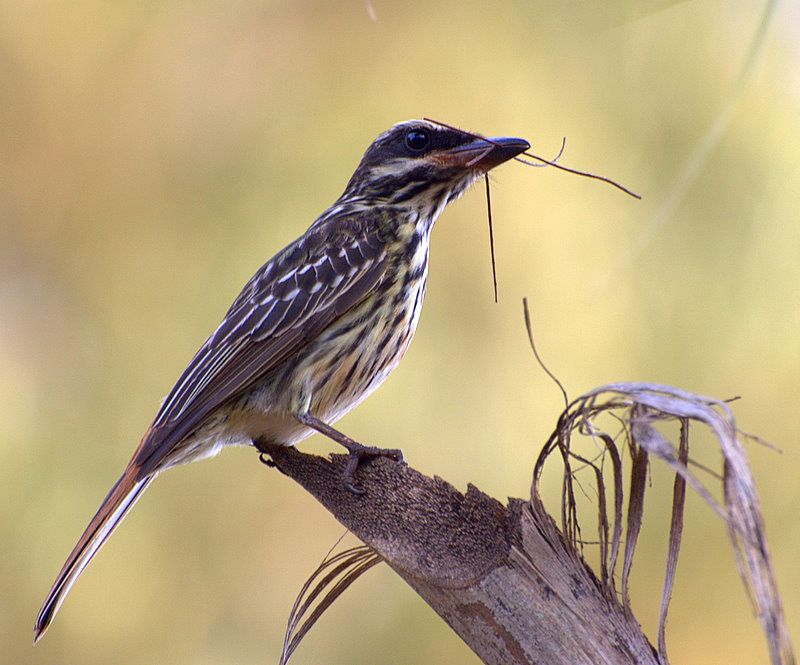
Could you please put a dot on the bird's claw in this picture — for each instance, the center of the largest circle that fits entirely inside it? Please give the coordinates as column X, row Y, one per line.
column 266, row 461
column 359, row 452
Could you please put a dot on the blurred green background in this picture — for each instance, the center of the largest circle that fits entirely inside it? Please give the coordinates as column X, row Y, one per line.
column 154, row 154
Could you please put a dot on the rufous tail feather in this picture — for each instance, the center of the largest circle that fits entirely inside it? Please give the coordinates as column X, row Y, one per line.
column 111, row 512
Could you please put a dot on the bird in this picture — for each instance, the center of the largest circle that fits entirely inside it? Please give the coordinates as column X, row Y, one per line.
column 317, row 328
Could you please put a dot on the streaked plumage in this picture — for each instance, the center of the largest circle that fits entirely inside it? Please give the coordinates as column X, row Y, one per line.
column 317, row 328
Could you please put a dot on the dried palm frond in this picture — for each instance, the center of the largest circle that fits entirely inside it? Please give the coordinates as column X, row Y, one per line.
column 639, row 407
column 335, row 574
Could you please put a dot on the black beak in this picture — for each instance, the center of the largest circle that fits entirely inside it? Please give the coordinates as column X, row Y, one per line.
column 484, row 154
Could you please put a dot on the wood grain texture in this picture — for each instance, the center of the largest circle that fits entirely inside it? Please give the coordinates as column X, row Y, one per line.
column 502, row 577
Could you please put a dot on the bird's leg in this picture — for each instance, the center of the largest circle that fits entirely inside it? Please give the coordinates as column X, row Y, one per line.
column 356, row 451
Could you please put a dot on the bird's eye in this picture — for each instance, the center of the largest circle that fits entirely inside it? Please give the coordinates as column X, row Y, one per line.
column 417, row 140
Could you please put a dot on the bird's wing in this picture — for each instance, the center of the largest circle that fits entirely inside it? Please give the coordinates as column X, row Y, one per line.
column 287, row 303
column 290, row 301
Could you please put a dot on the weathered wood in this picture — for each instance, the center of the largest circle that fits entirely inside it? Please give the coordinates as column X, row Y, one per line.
column 501, row 577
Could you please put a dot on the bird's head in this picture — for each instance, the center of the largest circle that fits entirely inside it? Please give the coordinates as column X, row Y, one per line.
column 422, row 165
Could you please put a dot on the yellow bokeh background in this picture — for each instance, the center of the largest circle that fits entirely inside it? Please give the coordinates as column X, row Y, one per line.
column 154, row 154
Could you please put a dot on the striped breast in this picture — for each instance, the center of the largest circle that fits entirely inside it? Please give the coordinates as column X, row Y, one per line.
column 355, row 355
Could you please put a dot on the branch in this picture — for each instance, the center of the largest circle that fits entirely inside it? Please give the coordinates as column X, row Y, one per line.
column 502, row 577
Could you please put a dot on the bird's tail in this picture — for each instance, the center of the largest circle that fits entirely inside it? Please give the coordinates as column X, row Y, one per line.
column 111, row 512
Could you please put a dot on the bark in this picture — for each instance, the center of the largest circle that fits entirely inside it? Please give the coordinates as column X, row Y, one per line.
column 502, row 577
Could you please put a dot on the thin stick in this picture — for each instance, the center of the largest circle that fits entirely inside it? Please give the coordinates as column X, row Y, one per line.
column 529, row 328
column 583, row 173
column 551, row 162
column 491, row 233
column 544, row 161
column 458, row 129
column 488, row 195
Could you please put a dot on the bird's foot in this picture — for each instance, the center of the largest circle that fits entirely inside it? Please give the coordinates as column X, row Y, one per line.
column 355, row 453
column 264, row 453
